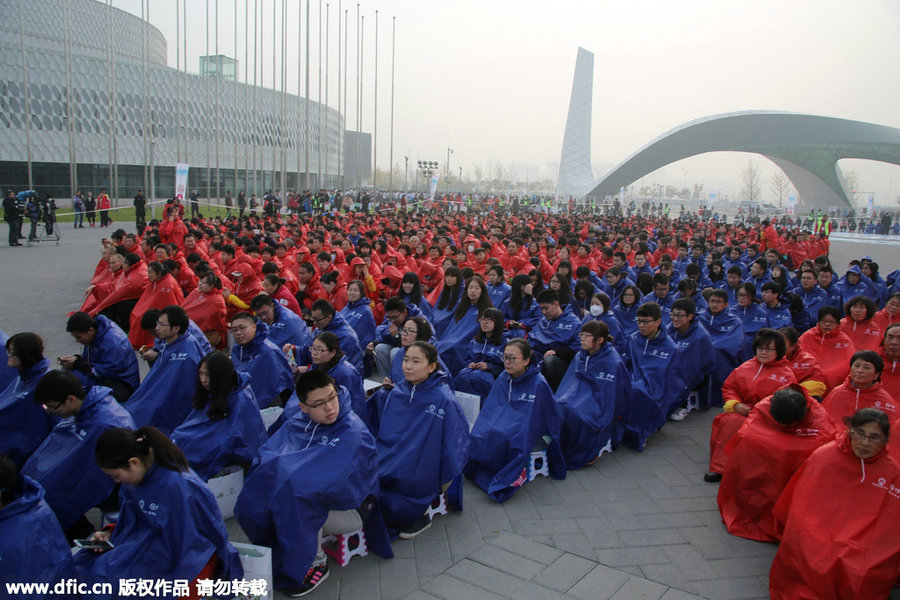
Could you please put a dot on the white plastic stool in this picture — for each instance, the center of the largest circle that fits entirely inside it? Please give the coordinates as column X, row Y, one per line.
column 345, row 546
column 693, row 401
column 438, row 507
column 537, row 465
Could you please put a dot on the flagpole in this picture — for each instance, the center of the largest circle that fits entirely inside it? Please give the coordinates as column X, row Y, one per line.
column 393, row 54
column 375, row 109
column 306, row 137
column 324, row 142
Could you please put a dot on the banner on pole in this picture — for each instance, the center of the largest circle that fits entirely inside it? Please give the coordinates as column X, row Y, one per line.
column 712, row 198
column 433, row 187
column 181, row 180
column 871, row 206
column 791, row 205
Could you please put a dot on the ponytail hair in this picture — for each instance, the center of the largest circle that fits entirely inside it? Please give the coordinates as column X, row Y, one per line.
column 117, row 446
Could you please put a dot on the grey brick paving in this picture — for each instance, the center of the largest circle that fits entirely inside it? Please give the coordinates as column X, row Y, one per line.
column 631, row 526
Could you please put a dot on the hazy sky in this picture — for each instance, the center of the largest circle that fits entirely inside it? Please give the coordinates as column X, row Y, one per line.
column 492, row 79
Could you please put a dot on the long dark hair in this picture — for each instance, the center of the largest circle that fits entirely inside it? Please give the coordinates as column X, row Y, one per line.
column 517, row 297
column 415, row 296
column 450, row 295
column 223, row 380
column 117, row 446
column 496, row 316
column 565, row 291
column 333, row 344
column 483, row 302
column 29, row 347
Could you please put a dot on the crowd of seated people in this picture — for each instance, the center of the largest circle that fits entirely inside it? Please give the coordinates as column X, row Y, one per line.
column 578, row 334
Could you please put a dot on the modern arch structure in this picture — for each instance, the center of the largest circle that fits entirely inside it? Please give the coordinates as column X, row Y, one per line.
column 805, row 147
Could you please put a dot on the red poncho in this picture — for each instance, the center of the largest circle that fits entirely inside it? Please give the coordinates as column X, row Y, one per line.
column 839, row 517
column 129, row 285
column 808, row 372
column 748, row 384
column 865, row 335
column 762, row 458
column 846, row 399
column 890, row 377
column 159, row 294
column 833, row 350
column 206, row 310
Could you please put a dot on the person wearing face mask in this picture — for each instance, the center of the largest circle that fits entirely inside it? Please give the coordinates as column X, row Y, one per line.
column 861, row 389
column 600, row 311
column 838, row 516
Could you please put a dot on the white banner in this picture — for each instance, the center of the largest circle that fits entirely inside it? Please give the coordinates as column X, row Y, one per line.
column 792, row 204
column 712, row 198
column 181, row 179
column 871, row 206
column 433, row 188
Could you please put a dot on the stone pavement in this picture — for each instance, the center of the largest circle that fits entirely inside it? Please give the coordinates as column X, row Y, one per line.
column 631, row 526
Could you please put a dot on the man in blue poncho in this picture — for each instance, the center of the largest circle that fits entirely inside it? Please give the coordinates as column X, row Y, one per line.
column 655, row 382
column 107, row 358
column 253, row 353
column 32, row 546
column 813, row 296
column 593, row 398
column 148, row 324
column 64, row 464
column 727, row 333
column 325, row 318
column 285, row 326
column 387, row 335
column 421, row 441
column 695, row 354
column 555, row 337
column 519, row 415
column 317, row 475
column 163, row 399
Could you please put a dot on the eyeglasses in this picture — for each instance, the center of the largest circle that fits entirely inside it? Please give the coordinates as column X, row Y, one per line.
column 11, row 352
column 317, row 349
column 52, row 407
column 509, row 358
column 678, row 315
column 320, row 319
column 860, row 436
column 329, row 400
column 161, row 324
column 408, row 331
column 644, row 321
column 766, row 349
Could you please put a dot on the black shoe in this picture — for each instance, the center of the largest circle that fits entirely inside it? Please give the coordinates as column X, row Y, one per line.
column 15, row 244
column 712, row 477
column 421, row 525
column 316, row 575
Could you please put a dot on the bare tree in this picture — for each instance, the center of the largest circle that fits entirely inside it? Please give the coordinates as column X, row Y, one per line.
column 479, row 173
column 781, row 186
column 752, row 180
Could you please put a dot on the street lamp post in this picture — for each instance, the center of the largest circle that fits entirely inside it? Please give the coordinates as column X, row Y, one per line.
column 406, row 174
column 427, row 168
column 447, row 174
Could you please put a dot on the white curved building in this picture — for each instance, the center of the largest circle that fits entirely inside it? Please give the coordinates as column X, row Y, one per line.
column 73, row 113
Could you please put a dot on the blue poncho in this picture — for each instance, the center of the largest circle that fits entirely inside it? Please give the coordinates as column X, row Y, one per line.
column 593, row 397
column 561, row 331
column 528, row 316
column 359, row 317
column 288, row 328
column 211, row 445
column 476, row 381
column 348, row 340
column 64, row 464
column 302, row 472
column 453, row 345
column 515, row 416
column 615, row 328
column 727, row 333
column 421, row 444
column 754, row 318
column 695, row 355
column 110, row 356
column 655, row 383
column 7, row 373
column 499, row 292
column 163, row 399
column 169, row 527
column 23, row 423
column 813, row 300
column 346, row 375
column 33, row 547
column 265, row 363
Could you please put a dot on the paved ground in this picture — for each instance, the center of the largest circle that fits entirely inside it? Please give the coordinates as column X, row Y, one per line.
column 632, row 526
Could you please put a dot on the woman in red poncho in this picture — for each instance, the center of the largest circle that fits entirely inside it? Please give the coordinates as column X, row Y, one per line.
column 780, row 433
column 862, row 389
column 161, row 291
column 246, row 287
column 830, row 346
column 129, row 285
column 205, row 306
column 275, row 287
column 860, row 325
column 890, row 314
column 839, row 518
column 103, row 280
column 754, row 380
column 806, row 369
